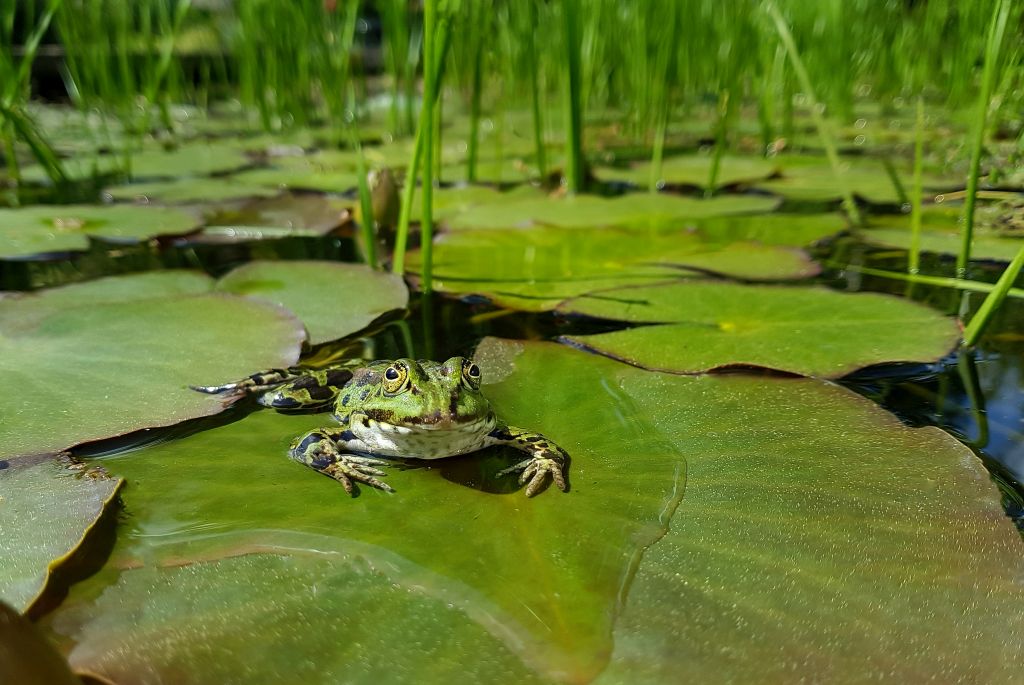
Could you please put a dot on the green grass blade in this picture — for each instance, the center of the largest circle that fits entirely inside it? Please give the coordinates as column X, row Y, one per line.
column 993, row 300
column 993, row 41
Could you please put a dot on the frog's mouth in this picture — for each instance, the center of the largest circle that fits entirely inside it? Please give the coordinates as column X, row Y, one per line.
column 431, row 422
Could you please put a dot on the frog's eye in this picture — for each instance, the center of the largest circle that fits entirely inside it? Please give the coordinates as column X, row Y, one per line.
column 472, row 374
column 394, row 379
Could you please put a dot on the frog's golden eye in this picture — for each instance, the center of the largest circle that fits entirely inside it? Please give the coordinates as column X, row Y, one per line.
column 394, row 379
column 472, row 374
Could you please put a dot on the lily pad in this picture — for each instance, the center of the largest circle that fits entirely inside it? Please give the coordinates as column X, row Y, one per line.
column 333, row 300
column 449, row 202
column 809, row 331
column 124, row 362
column 796, row 230
column 303, row 213
column 694, row 170
column 200, row 158
column 813, row 180
column 185, row 190
column 63, row 228
column 300, row 179
column 637, row 210
column 46, row 511
column 770, row 477
column 534, row 269
column 941, row 234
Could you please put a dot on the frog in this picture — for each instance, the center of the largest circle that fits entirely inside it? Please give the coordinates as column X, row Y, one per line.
column 401, row 408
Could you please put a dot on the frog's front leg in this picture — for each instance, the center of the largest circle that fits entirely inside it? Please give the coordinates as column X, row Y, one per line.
column 546, row 458
column 319, row 450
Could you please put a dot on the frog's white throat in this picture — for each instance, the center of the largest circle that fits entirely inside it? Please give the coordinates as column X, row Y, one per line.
column 424, row 441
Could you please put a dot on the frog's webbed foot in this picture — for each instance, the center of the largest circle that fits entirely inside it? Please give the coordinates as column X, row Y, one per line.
column 547, row 459
column 317, row 449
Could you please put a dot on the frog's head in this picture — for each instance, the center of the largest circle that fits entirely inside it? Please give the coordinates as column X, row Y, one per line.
column 427, row 395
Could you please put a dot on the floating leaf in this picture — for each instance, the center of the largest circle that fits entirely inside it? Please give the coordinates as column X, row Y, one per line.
column 449, row 202
column 199, row 158
column 941, row 233
column 694, row 170
column 771, row 476
column 62, row 228
column 46, row 511
column 300, row 179
column 333, row 300
column 184, row 190
column 124, row 362
column 534, row 269
column 813, row 180
column 298, row 213
column 810, row 331
column 639, row 210
column 796, row 230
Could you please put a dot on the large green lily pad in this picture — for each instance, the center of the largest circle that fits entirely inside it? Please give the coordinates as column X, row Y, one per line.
column 534, row 269
column 64, row 228
column 806, row 516
column 46, row 510
column 638, row 210
column 333, row 300
column 452, row 201
column 81, row 369
column 699, row 326
column 694, row 170
column 812, row 179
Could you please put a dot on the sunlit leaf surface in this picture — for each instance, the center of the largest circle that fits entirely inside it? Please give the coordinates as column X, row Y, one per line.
column 698, row 326
column 100, row 359
column 333, row 300
column 46, row 510
column 812, row 179
column 183, row 190
column 694, row 170
column 638, row 210
column 941, row 229
column 788, row 519
column 534, row 269
column 64, row 228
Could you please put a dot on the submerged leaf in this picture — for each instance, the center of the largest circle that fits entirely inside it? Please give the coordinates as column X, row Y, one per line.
column 699, row 326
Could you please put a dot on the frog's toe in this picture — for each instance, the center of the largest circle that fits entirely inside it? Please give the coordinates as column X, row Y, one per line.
column 345, row 471
column 535, row 473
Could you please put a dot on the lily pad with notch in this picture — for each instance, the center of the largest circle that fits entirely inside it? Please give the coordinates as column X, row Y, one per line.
column 693, row 327
column 116, row 355
column 44, row 229
column 746, row 503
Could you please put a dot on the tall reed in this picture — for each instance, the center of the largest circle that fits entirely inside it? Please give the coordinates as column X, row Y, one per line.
column 993, row 41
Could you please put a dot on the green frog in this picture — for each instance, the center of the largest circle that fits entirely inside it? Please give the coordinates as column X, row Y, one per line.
column 397, row 408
